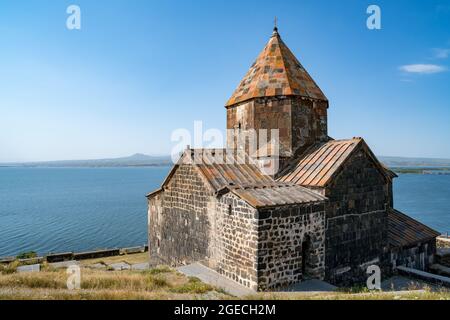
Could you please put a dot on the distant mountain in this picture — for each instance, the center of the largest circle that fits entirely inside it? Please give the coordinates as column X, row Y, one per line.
column 136, row 160
column 414, row 162
column 143, row 160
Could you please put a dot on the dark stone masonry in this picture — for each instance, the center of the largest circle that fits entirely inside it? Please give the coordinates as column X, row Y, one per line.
column 327, row 213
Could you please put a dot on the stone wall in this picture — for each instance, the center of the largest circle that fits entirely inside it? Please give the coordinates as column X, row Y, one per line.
column 261, row 250
column 356, row 234
column 419, row 256
column 285, row 235
column 237, row 240
column 309, row 123
column 179, row 221
column 275, row 113
column 300, row 122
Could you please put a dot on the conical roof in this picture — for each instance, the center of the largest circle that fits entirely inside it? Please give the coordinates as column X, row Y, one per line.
column 276, row 72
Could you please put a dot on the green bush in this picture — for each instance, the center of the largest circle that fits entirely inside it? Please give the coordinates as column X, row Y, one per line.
column 161, row 269
column 27, row 255
column 194, row 285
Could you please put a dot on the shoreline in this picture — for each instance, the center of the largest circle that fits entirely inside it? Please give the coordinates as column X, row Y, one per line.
column 68, row 256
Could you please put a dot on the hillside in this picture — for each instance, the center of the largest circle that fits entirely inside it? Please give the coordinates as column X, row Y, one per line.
column 136, row 160
column 414, row 162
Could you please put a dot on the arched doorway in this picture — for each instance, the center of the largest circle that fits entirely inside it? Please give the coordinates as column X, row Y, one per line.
column 306, row 255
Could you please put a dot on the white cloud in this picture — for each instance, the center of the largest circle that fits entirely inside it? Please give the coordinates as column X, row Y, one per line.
column 441, row 53
column 423, row 68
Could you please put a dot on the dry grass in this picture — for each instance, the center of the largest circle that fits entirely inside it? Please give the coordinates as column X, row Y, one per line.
column 160, row 283
column 9, row 268
column 127, row 258
column 105, row 285
column 194, row 285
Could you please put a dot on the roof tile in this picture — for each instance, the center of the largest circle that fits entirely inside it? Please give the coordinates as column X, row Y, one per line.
column 404, row 230
column 275, row 72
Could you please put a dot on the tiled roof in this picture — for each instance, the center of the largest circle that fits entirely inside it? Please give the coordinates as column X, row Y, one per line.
column 277, row 196
column 243, row 172
column 317, row 166
column 242, row 178
column 404, row 230
column 276, row 72
column 319, row 163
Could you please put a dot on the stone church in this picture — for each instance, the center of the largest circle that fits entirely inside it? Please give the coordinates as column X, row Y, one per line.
column 327, row 213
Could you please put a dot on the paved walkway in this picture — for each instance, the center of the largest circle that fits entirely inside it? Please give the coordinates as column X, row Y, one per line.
column 403, row 283
column 311, row 286
column 213, row 278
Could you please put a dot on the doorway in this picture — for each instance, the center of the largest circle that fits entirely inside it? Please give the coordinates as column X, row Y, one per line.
column 306, row 252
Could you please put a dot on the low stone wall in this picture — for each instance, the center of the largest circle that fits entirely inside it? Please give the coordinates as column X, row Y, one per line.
column 419, row 256
column 59, row 257
column 422, row 275
column 443, row 256
column 95, row 254
column 68, row 256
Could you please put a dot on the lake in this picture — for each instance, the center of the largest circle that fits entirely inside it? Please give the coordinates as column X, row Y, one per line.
column 78, row 209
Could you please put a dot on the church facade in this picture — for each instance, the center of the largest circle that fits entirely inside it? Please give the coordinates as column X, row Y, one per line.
column 327, row 212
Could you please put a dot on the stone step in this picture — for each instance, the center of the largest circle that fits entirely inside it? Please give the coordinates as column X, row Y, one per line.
column 29, row 268
column 443, row 256
column 426, row 276
column 443, row 252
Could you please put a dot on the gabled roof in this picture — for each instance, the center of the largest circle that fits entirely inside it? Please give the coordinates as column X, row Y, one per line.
column 277, row 196
column 243, row 172
column 320, row 163
column 276, row 72
column 243, row 178
column 404, row 230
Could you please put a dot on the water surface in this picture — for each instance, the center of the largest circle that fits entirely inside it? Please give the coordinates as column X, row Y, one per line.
column 77, row 209
column 74, row 209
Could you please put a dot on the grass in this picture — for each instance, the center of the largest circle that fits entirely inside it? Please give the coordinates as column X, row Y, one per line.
column 163, row 283
column 27, row 255
column 194, row 285
column 127, row 258
column 160, row 269
column 9, row 268
column 159, row 283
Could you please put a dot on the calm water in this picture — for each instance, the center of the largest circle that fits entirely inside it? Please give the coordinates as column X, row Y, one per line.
column 425, row 198
column 76, row 209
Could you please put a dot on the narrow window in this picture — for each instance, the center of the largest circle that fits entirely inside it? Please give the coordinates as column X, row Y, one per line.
column 230, row 209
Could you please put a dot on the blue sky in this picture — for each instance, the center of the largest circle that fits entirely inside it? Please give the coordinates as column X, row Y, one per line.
column 137, row 70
